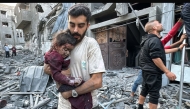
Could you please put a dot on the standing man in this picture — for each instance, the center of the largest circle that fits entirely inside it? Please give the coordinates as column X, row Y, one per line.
column 153, row 64
column 6, row 51
column 168, row 49
column 86, row 58
column 164, row 41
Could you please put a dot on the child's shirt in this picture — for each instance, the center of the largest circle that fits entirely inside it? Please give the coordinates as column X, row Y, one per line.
column 57, row 64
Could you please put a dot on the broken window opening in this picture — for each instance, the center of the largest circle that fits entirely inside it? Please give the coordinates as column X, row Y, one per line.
column 20, row 34
column 17, row 35
column 7, row 36
column 5, row 24
column 139, row 6
column 39, row 8
column 3, row 12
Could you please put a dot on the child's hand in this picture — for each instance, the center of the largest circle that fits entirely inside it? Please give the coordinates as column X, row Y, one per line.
column 78, row 81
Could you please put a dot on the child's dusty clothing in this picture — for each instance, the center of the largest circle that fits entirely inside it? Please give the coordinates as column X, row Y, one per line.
column 57, row 64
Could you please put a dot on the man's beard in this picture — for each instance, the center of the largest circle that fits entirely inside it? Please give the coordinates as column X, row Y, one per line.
column 81, row 36
column 161, row 30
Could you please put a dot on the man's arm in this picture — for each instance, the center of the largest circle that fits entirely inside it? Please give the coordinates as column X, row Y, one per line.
column 172, row 50
column 93, row 83
column 183, row 36
column 158, row 62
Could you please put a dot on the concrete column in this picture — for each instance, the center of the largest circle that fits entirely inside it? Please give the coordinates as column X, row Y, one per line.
column 155, row 14
column 167, row 22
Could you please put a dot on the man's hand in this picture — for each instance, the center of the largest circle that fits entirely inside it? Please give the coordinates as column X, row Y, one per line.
column 182, row 45
column 93, row 83
column 47, row 69
column 180, row 20
column 183, row 36
column 66, row 94
column 171, row 76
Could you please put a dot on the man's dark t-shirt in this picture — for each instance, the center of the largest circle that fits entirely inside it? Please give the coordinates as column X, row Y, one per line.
column 152, row 48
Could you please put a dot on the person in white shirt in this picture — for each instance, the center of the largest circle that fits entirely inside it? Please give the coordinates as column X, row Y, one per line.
column 6, row 48
column 86, row 58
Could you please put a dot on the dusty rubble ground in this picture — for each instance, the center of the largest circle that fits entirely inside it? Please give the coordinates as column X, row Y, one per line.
column 113, row 95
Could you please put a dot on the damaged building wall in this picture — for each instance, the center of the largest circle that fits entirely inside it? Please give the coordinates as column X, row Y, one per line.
column 7, row 27
column 47, row 27
column 47, row 8
column 30, row 29
column 53, row 23
column 106, row 16
column 19, row 37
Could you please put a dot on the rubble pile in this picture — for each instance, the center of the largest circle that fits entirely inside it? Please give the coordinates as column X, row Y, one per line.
column 21, row 80
column 11, row 72
column 116, row 91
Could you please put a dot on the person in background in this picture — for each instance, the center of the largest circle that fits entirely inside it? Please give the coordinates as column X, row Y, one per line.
column 139, row 78
column 153, row 64
column 164, row 40
column 6, row 48
column 13, row 51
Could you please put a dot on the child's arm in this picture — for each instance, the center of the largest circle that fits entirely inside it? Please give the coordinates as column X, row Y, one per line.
column 55, row 62
column 58, row 76
column 67, row 72
column 65, row 87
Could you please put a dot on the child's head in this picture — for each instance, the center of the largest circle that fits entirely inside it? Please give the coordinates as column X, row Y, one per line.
column 63, row 41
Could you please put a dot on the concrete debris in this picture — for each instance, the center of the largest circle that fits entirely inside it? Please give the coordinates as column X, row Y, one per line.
column 114, row 94
column 117, row 87
column 12, row 77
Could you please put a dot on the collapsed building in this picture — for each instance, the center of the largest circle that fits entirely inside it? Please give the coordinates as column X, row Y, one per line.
column 28, row 17
column 9, row 34
column 118, row 30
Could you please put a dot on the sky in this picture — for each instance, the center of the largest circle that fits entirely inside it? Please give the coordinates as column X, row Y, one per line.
column 11, row 4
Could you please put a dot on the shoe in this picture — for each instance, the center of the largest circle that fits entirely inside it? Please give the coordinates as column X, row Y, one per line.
column 131, row 99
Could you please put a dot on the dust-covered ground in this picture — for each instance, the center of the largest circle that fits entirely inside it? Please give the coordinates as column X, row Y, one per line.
column 113, row 95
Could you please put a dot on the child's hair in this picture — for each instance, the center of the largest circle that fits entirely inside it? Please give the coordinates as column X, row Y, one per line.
column 62, row 37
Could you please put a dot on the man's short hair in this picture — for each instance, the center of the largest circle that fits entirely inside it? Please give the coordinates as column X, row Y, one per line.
column 149, row 25
column 80, row 9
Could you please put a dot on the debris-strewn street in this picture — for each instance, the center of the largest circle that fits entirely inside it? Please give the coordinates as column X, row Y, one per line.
column 19, row 87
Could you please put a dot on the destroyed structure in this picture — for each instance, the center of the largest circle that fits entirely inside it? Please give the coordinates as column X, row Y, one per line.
column 116, row 27
column 8, row 32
